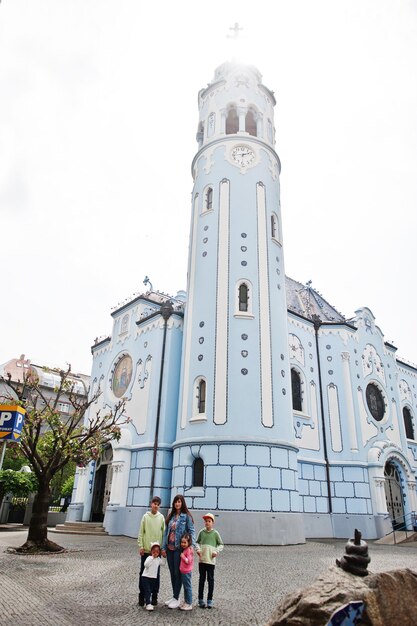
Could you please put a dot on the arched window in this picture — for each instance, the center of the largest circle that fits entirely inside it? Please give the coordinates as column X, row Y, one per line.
column 208, row 199
column 250, row 123
column 297, row 403
column 198, row 473
column 243, row 297
column 202, row 396
column 200, row 134
column 232, row 122
column 408, row 423
column 274, row 227
column 199, row 400
column 124, row 324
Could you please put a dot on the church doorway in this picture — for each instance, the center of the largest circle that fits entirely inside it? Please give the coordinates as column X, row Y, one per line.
column 102, row 485
column 393, row 495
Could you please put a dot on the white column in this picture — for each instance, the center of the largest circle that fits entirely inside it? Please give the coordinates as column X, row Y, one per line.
column 349, row 402
column 222, row 311
column 185, row 410
column 82, row 483
column 412, row 495
column 381, row 502
column 120, row 482
column 264, row 312
column 242, row 119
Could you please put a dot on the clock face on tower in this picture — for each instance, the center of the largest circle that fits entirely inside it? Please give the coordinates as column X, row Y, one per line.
column 243, row 156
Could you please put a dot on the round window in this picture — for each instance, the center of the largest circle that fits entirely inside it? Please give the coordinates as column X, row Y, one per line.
column 122, row 376
column 375, row 402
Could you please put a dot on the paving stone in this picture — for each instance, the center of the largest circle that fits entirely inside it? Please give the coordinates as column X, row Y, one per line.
column 95, row 582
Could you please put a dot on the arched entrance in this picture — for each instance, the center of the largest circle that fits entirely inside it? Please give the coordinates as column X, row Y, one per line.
column 393, row 494
column 102, row 485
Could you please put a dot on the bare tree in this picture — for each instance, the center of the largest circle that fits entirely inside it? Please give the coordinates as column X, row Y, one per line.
column 50, row 441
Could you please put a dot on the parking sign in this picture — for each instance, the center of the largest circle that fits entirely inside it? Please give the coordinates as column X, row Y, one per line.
column 11, row 421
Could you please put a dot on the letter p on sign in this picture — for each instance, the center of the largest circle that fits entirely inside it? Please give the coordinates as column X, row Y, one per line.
column 6, row 416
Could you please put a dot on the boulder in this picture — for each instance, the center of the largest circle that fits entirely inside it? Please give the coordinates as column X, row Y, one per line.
column 390, row 599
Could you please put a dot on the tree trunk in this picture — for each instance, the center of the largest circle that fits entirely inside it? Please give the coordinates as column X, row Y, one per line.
column 37, row 540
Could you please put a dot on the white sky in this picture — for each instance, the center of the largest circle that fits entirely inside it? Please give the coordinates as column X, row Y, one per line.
column 98, row 116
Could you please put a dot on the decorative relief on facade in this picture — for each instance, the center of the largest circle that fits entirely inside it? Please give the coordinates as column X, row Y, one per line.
column 143, row 371
column 405, row 392
column 372, row 364
column 308, row 328
column 273, row 166
column 342, row 333
column 148, row 310
column 296, row 348
column 208, row 158
column 211, row 124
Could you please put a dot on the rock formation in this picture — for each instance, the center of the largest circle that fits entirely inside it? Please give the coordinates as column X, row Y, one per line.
column 390, row 599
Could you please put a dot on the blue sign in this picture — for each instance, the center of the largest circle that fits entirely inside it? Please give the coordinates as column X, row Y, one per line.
column 11, row 422
column 348, row 615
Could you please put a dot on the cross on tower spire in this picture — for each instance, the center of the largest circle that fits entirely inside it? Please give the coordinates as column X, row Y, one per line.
column 236, row 28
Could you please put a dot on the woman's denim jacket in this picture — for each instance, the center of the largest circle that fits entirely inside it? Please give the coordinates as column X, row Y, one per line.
column 184, row 525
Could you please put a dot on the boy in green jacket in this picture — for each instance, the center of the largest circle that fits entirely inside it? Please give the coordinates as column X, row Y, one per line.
column 209, row 544
column 151, row 530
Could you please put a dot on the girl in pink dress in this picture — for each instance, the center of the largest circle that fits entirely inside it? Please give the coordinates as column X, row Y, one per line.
column 186, row 568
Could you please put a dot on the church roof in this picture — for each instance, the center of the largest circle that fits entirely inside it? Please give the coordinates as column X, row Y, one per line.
column 306, row 301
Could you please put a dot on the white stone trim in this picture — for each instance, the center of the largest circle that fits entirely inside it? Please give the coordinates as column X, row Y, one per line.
column 222, row 308
column 264, row 311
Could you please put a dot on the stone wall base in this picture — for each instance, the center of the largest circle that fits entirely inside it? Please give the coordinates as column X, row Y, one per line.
column 342, row 526
column 235, row 527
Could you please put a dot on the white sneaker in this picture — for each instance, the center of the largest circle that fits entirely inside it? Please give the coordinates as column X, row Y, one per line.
column 149, row 607
column 186, row 607
column 169, row 601
column 174, row 604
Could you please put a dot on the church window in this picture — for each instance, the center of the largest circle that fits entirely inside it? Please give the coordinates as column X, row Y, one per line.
column 232, row 122
column 202, row 396
column 243, row 297
column 198, row 473
column 200, row 134
column 124, row 324
column 250, row 123
column 199, row 398
column 297, row 403
column 208, row 199
column 275, row 227
column 408, row 423
column 375, row 402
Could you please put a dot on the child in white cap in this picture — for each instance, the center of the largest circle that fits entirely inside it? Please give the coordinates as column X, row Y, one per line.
column 149, row 578
column 209, row 544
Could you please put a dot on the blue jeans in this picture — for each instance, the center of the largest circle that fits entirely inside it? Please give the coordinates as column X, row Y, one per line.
column 186, row 583
column 173, row 559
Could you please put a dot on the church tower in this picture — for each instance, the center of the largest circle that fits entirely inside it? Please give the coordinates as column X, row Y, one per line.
column 234, row 449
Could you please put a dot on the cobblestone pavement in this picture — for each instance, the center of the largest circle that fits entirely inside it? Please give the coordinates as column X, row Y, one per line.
column 95, row 582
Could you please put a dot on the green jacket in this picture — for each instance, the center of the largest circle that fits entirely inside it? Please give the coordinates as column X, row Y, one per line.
column 152, row 528
column 207, row 543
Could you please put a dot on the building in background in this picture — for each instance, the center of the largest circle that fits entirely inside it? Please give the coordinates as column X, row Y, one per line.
column 48, row 378
column 251, row 395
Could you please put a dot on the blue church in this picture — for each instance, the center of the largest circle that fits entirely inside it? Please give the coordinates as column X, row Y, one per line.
column 250, row 394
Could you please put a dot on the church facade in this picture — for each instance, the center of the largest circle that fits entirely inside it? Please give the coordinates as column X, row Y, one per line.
column 250, row 394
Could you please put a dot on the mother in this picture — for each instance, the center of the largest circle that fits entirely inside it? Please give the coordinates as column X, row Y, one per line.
column 179, row 521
